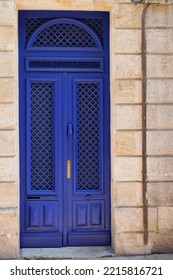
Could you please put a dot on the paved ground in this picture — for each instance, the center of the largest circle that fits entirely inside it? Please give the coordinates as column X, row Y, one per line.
column 82, row 253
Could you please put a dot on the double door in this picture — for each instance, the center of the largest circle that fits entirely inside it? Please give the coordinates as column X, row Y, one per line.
column 65, row 174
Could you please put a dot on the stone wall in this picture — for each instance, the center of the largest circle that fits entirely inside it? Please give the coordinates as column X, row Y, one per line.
column 9, row 172
column 126, row 135
column 127, row 214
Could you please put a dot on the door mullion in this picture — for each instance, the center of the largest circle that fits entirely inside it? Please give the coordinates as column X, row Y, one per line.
column 65, row 149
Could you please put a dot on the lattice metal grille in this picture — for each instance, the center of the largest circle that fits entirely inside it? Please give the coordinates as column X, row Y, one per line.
column 88, row 135
column 33, row 23
column 64, row 35
column 41, row 136
column 64, row 64
column 96, row 25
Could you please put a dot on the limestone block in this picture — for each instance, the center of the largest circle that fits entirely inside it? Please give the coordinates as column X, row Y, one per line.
column 7, row 64
column 126, row 117
column 9, row 247
column 160, row 168
column 128, row 220
column 9, row 223
column 8, row 143
column 130, row 244
column 160, row 142
column 7, row 38
column 160, row 40
column 160, row 16
column 8, row 14
column 126, row 66
column 8, row 195
column 127, row 194
column 7, row 90
column 127, row 143
column 131, row 219
column 8, row 116
column 126, row 16
column 126, row 41
column 160, row 194
column 160, row 117
column 165, row 221
column 127, row 168
column 164, row 89
column 160, row 66
column 126, row 91
column 161, row 242
column 8, row 170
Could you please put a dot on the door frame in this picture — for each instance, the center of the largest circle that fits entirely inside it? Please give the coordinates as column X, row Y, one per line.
column 22, row 155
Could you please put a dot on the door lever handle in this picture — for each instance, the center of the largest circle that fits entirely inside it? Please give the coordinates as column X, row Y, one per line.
column 69, row 129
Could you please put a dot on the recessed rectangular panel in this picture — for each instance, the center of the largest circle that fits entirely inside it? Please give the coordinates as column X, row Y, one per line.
column 41, row 215
column 96, row 214
column 88, row 214
column 35, row 215
column 49, row 215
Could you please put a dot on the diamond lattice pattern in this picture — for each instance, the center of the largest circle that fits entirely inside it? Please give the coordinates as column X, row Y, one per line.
column 88, row 135
column 64, row 35
column 33, row 23
column 41, row 136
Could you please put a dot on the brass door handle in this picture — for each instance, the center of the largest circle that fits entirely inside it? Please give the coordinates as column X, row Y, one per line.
column 68, row 169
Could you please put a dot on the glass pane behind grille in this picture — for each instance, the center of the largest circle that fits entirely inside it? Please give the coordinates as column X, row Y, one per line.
column 41, row 136
column 88, row 142
column 64, row 35
column 43, row 64
column 33, row 23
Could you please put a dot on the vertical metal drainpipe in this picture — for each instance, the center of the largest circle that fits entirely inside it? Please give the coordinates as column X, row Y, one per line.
column 144, row 125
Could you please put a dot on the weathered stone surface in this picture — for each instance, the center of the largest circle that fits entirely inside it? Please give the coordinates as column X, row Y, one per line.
column 159, row 40
column 126, row 41
column 66, row 4
column 9, row 223
column 165, row 221
column 160, row 116
column 8, row 14
column 160, row 66
column 126, row 91
column 160, row 194
column 127, row 168
column 7, row 64
column 8, row 145
column 131, row 219
column 8, row 116
column 127, row 16
column 160, row 16
column 127, row 143
column 7, row 38
column 126, row 117
column 160, row 168
column 130, row 244
column 7, row 90
column 127, row 194
column 8, row 170
column 160, row 142
column 161, row 242
column 163, row 88
column 127, row 66
column 8, row 195
column 9, row 248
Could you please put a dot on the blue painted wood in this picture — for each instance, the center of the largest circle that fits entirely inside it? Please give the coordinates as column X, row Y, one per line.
column 57, row 211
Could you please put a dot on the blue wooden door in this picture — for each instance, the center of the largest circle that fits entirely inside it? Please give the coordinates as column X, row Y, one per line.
column 64, row 129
